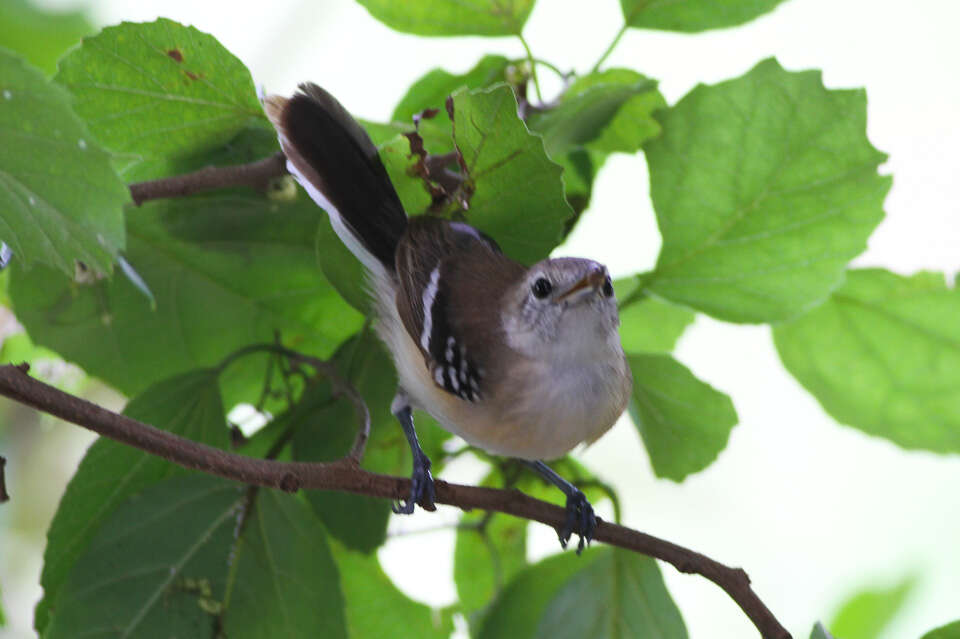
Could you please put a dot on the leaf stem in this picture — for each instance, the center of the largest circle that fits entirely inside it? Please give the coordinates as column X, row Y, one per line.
column 533, row 65
column 550, row 65
column 613, row 45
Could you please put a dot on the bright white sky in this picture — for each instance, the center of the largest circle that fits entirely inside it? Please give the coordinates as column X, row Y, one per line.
column 812, row 510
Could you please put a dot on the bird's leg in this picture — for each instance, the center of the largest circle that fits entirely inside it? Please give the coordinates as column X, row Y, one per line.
column 580, row 517
column 421, row 481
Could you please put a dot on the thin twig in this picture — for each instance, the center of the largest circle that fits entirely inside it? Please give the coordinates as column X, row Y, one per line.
column 256, row 174
column 340, row 386
column 345, row 475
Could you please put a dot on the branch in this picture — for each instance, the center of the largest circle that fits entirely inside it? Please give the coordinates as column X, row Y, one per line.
column 345, row 475
column 256, row 174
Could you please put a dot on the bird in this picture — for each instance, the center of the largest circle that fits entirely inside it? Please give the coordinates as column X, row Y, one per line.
column 520, row 361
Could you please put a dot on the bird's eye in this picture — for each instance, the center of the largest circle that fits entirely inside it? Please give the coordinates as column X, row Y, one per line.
column 542, row 288
column 607, row 289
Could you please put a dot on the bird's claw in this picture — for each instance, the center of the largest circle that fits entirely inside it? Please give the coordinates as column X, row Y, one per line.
column 580, row 520
column 421, row 489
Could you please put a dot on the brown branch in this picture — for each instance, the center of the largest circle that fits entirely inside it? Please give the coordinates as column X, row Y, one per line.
column 345, row 475
column 256, row 174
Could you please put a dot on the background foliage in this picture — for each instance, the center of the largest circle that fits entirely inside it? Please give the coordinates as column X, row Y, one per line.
column 764, row 187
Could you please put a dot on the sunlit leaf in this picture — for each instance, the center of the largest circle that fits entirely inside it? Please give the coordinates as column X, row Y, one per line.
column 761, row 210
column 684, row 422
column 515, row 192
column 440, row 17
column 883, row 355
column 649, row 325
column 692, row 15
column 605, row 111
column 866, row 614
column 60, row 199
column 159, row 89
column 432, row 90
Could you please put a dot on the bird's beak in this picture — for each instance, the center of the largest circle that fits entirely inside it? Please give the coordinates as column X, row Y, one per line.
column 591, row 281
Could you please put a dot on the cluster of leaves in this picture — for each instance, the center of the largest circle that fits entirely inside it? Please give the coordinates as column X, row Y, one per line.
column 764, row 188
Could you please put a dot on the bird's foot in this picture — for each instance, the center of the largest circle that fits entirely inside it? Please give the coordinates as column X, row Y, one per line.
column 580, row 520
column 421, row 488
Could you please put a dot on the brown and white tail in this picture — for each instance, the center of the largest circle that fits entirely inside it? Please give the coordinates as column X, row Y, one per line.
column 333, row 158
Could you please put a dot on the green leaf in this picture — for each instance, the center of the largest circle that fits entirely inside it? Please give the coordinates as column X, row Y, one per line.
column 764, row 186
column 432, row 90
column 39, row 35
column 633, row 123
column 18, row 348
column 607, row 111
column 490, row 550
column 595, row 595
column 653, row 326
column 399, row 161
column 286, row 583
column 691, row 16
column 580, row 167
column 883, row 355
column 376, row 608
column 60, row 200
column 277, row 577
column 227, row 269
column 819, row 632
column 156, row 566
column 188, row 405
column 326, row 432
column 159, row 89
column 515, row 192
column 520, row 606
column 949, row 631
column 868, row 613
column 443, row 18
column 684, row 422
column 649, row 324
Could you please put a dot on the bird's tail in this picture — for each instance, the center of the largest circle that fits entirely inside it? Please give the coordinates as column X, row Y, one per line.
column 333, row 158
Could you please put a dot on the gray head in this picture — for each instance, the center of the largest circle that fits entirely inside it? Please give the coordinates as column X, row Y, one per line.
column 563, row 308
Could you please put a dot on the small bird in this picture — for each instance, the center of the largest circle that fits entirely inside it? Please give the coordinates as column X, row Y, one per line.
column 519, row 361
